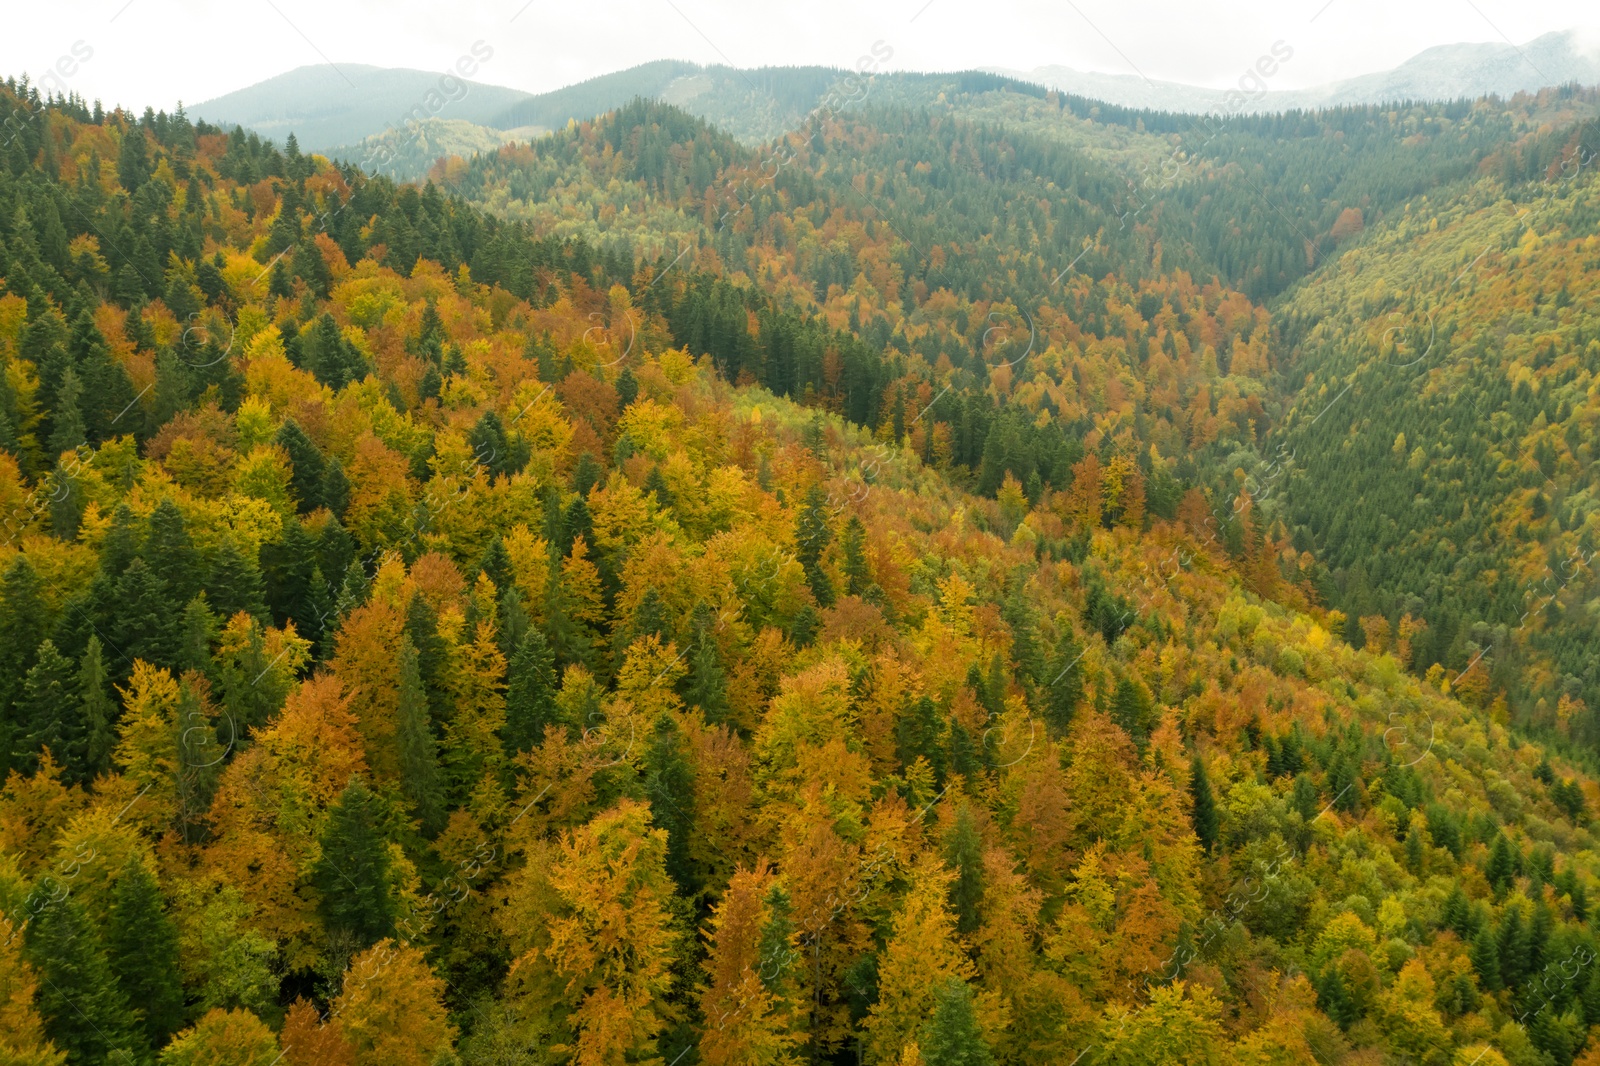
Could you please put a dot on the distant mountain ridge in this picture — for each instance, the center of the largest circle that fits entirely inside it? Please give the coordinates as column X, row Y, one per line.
column 1445, row 72
column 407, row 118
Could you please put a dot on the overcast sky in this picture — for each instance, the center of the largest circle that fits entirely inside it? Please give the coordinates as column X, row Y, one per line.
column 160, row 51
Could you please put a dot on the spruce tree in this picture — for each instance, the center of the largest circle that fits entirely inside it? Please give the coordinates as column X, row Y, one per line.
column 707, row 686
column 951, row 1037
column 234, row 584
column 98, row 711
column 308, row 473
column 812, row 535
column 1063, row 688
column 1206, row 818
column 49, row 714
column 142, row 947
column 963, row 853
column 170, row 553
column 530, row 693
column 669, row 785
column 85, row 1011
column 353, row 874
column 1485, row 956
column 419, row 753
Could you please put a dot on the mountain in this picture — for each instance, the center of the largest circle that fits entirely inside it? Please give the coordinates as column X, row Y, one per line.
column 1446, row 72
column 325, row 105
column 429, row 637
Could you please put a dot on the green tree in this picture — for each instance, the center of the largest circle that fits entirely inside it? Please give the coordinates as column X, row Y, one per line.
column 530, row 692
column 142, row 947
column 707, row 685
column 419, row 752
column 1205, row 816
column 84, row 1010
column 669, row 785
column 963, row 853
column 812, row 536
column 951, row 1037
column 49, row 714
column 353, row 874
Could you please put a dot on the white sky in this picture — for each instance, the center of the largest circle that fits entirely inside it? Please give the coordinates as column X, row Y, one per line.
column 157, row 52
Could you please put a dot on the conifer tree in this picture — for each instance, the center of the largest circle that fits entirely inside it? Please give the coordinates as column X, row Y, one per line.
column 669, row 785
column 707, row 686
column 952, row 1037
column 85, row 1013
column 308, row 473
column 812, row 535
column 419, row 752
column 1205, row 817
column 963, row 853
column 48, row 713
column 142, row 947
column 98, row 711
column 353, row 872
column 530, row 693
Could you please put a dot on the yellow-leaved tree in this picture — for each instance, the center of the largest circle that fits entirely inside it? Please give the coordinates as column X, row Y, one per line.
column 595, row 937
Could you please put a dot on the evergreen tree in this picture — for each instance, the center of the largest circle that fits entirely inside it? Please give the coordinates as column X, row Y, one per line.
column 171, row 554
column 352, row 874
column 1206, row 818
column 963, row 853
column 23, row 621
column 1132, row 710
column 669, row 785
column 1502, row 865
column 530, row 692
column 1063, row 691
column 707, row 686
column 308, row 473
column 85, row 1013
column 49, row 714
column 98, row 711
column 234, row 584
column 142, row 616
column 951, row 1037
column 812, row 535
column 142, row 947
column 419, row 753
column 1485, row 955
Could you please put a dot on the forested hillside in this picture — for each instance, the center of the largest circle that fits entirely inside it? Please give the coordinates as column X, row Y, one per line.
column 428, row 639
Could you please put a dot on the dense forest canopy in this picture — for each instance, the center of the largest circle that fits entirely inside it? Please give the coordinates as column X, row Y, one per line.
column 931, row 589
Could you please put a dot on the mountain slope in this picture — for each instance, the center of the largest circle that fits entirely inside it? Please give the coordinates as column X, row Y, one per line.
column 423, row 668
column 324, row 105
column 1456, row 483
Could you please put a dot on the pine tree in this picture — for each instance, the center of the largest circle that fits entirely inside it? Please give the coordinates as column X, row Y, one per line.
column 142, row 616
column 530, row 693
column 419, row 753
column 23, row 621
column 85, row 1012
column 1502, row 865
column 352, row 874
column 1205, row 816
column 1131, row 709
column 952, row 1037
column 234, row 584
column 142, row 948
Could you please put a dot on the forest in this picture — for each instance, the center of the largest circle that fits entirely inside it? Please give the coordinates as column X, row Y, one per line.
column 642, row 598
